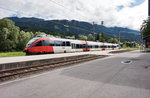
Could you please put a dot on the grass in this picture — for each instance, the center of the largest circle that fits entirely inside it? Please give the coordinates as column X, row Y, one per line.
column 11, row 54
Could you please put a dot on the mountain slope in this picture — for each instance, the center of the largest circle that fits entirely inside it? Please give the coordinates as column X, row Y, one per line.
column 73, row 26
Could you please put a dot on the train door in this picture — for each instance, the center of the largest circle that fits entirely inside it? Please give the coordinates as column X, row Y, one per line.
column 58, row 46
column 67, row 46
column 85, row 47
column 48, row 46
column 38, row 47
column 73, row 47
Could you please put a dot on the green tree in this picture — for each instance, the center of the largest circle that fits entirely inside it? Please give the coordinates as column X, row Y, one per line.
column 8, row 35
column 102, row 39
column 124, row 45
column 145, row 28
column 113, row 40
column 83, row 37
column 23, row 38
column 97, row 37
column 90, row 37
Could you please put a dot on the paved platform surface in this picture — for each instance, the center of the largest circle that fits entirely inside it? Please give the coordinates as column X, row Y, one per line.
column 48, row 56
column 102, row 78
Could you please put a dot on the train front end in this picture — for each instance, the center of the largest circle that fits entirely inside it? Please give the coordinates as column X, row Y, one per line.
column 29, row 45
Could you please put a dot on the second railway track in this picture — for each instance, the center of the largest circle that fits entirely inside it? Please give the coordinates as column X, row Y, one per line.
column 14, row 73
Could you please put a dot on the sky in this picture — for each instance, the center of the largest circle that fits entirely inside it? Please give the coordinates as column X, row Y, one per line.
column 121, row 13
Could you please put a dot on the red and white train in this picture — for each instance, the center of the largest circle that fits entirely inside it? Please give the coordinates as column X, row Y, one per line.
column 47, row 44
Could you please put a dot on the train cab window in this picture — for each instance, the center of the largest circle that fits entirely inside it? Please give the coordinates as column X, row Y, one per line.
column 39, row 43
column 68, row 44
column 31, row 42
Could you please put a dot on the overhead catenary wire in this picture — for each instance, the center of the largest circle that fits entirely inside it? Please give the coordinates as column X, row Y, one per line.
column 66, row 8
column 49, row 21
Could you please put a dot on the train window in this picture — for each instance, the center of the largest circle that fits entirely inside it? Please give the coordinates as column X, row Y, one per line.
column 77, row 46
column 103, row 46
column 51, row 43
column 68, row 44
column 84, row 46
column 39, row 43
column 46, row 42
column 58, row 43
column 80, row 46
column 89, row 46
column 109, row 46
column 113, row 46
column 63, row 43
column 96, row 46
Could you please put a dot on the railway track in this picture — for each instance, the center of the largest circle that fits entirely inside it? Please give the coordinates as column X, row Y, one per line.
column 24, row 71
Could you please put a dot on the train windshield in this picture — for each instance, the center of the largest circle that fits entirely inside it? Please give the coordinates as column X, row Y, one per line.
column 31, row 42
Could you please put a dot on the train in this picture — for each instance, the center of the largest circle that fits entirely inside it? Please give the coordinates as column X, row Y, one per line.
column 50, row 44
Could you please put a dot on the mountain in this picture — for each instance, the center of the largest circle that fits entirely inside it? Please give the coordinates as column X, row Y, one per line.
column 73, row 26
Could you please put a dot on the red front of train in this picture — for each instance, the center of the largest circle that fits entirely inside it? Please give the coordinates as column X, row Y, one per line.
column 38, row 45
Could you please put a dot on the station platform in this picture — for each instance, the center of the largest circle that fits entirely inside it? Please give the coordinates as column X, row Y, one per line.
column 7, row 60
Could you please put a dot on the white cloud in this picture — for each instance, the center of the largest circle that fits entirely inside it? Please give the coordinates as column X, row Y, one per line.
column 84, row 10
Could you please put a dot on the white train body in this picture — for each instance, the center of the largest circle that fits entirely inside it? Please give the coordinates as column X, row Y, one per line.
column 45, row 44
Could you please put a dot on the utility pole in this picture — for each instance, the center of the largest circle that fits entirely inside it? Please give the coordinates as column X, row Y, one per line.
column 94, row 30
column 102, row 22
column 119, row 38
